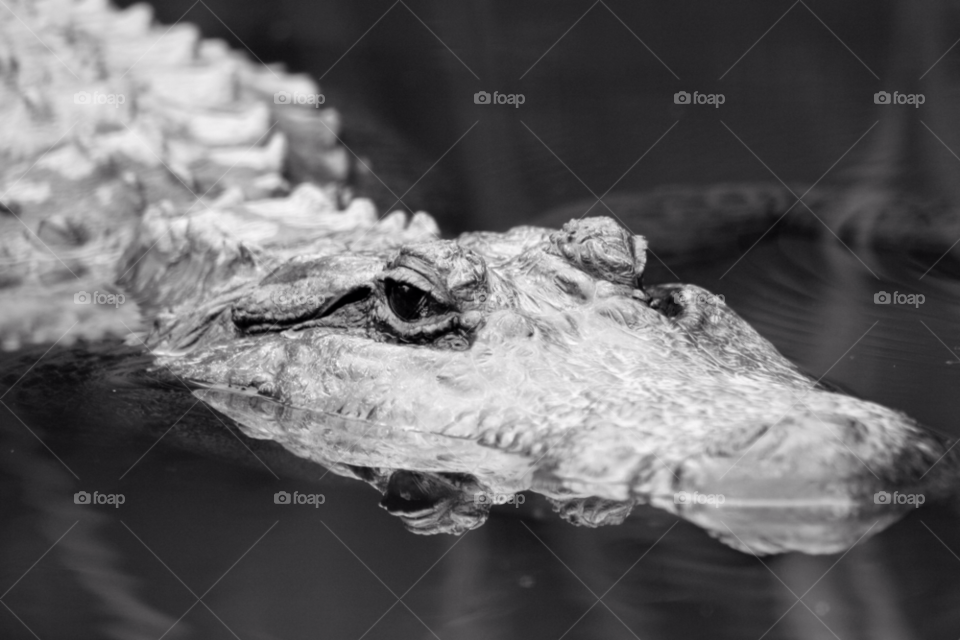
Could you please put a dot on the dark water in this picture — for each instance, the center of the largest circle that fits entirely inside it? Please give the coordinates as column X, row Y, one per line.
column 198, row 549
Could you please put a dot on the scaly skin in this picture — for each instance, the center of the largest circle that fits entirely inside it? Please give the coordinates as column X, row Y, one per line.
column 189, row 122
column 495, row 363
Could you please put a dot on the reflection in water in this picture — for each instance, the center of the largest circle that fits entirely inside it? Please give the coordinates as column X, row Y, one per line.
column 100, row 595
column 526, row 573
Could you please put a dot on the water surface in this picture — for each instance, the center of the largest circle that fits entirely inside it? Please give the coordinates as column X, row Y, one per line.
column 199, row 549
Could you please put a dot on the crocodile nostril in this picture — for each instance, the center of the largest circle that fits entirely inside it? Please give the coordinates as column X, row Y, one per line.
column 668, row 305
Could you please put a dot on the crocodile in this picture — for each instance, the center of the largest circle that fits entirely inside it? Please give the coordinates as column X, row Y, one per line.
column 450, row 373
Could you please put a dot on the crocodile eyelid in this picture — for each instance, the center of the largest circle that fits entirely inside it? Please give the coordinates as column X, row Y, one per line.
column 407, row 276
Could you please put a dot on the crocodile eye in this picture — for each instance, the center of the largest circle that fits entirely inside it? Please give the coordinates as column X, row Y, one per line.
column 409, row 303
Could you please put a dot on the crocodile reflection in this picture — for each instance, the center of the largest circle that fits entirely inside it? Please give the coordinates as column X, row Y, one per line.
column 443, row 371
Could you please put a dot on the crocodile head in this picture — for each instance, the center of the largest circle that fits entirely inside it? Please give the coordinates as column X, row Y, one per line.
column 533, row 359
